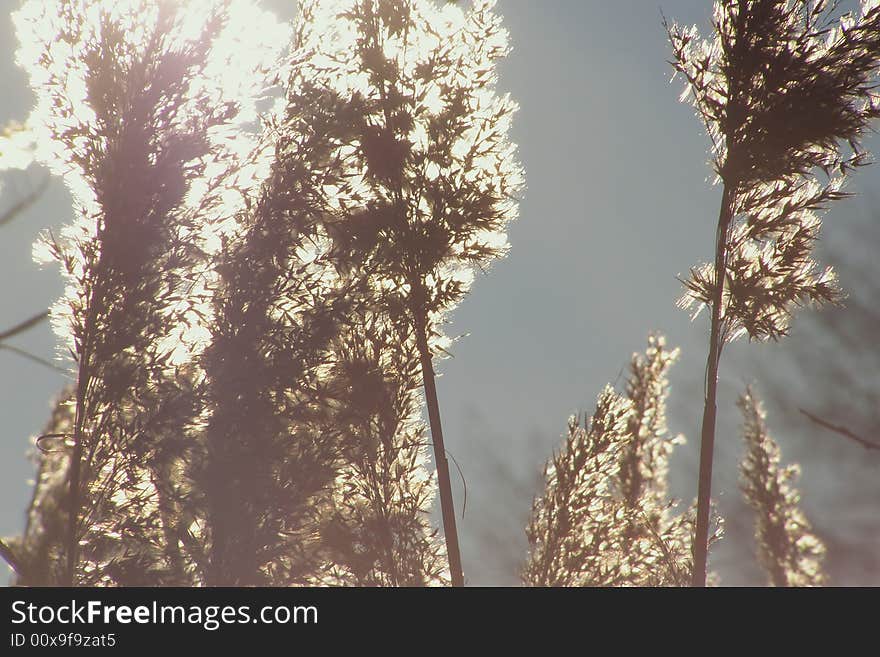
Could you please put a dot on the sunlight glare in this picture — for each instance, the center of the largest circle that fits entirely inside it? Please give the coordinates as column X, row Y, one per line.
column 57, row 45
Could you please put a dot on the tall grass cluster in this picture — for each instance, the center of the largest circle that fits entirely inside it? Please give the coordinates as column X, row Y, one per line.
column 273, row 223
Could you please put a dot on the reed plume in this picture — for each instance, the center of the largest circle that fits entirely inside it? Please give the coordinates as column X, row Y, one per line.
column 785, row 90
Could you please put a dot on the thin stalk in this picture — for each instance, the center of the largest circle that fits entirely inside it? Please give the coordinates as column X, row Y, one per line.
column 707, row 443
column 447, row 505
column 443, row 480
column 84, row 382
column 75, row 467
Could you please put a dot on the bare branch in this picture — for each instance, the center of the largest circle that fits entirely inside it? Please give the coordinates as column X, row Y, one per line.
column 33, row 357
column 843, row 431
column 21, row 327
column 24, row 203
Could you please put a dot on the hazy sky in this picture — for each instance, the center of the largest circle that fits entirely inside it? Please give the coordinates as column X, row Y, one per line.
column 618, row 202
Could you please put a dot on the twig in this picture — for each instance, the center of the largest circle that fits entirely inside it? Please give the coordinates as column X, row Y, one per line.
column 33, row 357
column 21, row 327
column 843, row 431
column 24, row 203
